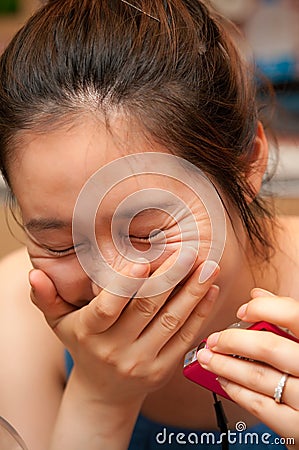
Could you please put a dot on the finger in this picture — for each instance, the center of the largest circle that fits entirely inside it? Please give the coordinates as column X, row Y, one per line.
column 282, row 311
column 262, row 346
column 258, row 292
column 169, row 313
column 104, row 310
column 44, row 295
column 279, row 417
column 142, row 309
column 189, row 333
column 174, row 314
column 252, row 375
column 170, row 273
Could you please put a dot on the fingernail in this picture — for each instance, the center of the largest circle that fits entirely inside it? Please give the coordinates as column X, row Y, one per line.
column 222, row 381
column 242, row 311
column 207, row 271
column 30, row 276
column 258, row 292
column 204, row 356
column 139, row 268
column 212, row 293
column 95, row 289
column 213, row 339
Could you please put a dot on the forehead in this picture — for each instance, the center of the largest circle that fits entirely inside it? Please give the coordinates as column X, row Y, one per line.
column 51, row 168
column 86, row 145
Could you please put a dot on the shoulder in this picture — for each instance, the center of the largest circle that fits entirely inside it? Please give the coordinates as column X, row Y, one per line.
column 30, row 354
column 14, row 269
column 21, row 323
column 17, row 256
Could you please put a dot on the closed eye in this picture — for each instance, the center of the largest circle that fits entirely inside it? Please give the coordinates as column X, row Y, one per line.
column 65, row 251
column 68, row 250
column 152, row 236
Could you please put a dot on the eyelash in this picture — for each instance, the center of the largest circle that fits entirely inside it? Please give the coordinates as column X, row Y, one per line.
column 146, row 238
column 61, row 252
column 71, row 249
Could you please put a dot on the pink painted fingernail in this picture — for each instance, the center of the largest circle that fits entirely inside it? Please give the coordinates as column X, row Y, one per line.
column 213, row 339
column 95, row 289
column 207, row 271
column 258, row 292
column 242, row 311
column 31, row 279
column 204, row 356
column 222, row 381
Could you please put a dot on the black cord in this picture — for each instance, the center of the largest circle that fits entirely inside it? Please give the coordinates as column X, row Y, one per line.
column 221, row 422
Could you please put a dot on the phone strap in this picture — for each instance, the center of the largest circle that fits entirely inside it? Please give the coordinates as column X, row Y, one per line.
column 221, row 422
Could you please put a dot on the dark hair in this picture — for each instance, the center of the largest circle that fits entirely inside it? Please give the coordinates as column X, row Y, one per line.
column 170, row 64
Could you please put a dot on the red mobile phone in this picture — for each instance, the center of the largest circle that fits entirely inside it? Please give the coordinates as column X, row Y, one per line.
column 196, row 373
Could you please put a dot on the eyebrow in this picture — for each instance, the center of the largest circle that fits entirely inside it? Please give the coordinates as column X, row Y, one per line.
column 49, row 223
column 46, row 223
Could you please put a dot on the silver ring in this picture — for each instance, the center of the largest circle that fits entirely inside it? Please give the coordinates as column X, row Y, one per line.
column 280, row 387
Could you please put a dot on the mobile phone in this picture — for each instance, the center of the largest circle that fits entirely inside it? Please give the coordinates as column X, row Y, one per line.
column 196, row 373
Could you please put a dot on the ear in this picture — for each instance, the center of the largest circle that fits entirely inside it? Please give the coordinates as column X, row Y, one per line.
column 258, row 161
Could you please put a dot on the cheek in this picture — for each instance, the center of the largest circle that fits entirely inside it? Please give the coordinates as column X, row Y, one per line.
column 74, row 286
column 70, row 280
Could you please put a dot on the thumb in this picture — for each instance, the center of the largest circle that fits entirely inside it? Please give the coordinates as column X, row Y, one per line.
column 45, row 296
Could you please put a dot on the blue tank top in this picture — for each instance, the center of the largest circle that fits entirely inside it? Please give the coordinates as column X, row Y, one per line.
column 150, row 435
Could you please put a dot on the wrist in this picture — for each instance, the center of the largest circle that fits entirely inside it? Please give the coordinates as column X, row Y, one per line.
column 106, row 392
column 115, row 408
column 88, row 420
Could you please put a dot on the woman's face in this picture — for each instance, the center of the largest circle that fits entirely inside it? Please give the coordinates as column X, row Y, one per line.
column 47, row 177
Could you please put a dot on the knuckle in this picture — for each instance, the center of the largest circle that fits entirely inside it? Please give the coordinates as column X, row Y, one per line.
column 199, row 315
column 135, row 366
column 170, row 278
column 158, row 376
column 128, row 288
column 170, row 321
column 108, row 356
column 145, row 306
column 269, row 346
column 103, row 312
column 195, row 290
column 81, row 337
column 187, row 336
column 257, row 375
column 129, row 369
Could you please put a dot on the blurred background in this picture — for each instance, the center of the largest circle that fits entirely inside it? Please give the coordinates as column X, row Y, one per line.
column 270, row 38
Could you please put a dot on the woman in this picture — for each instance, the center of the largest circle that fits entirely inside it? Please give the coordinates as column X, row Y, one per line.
column 138, row 99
